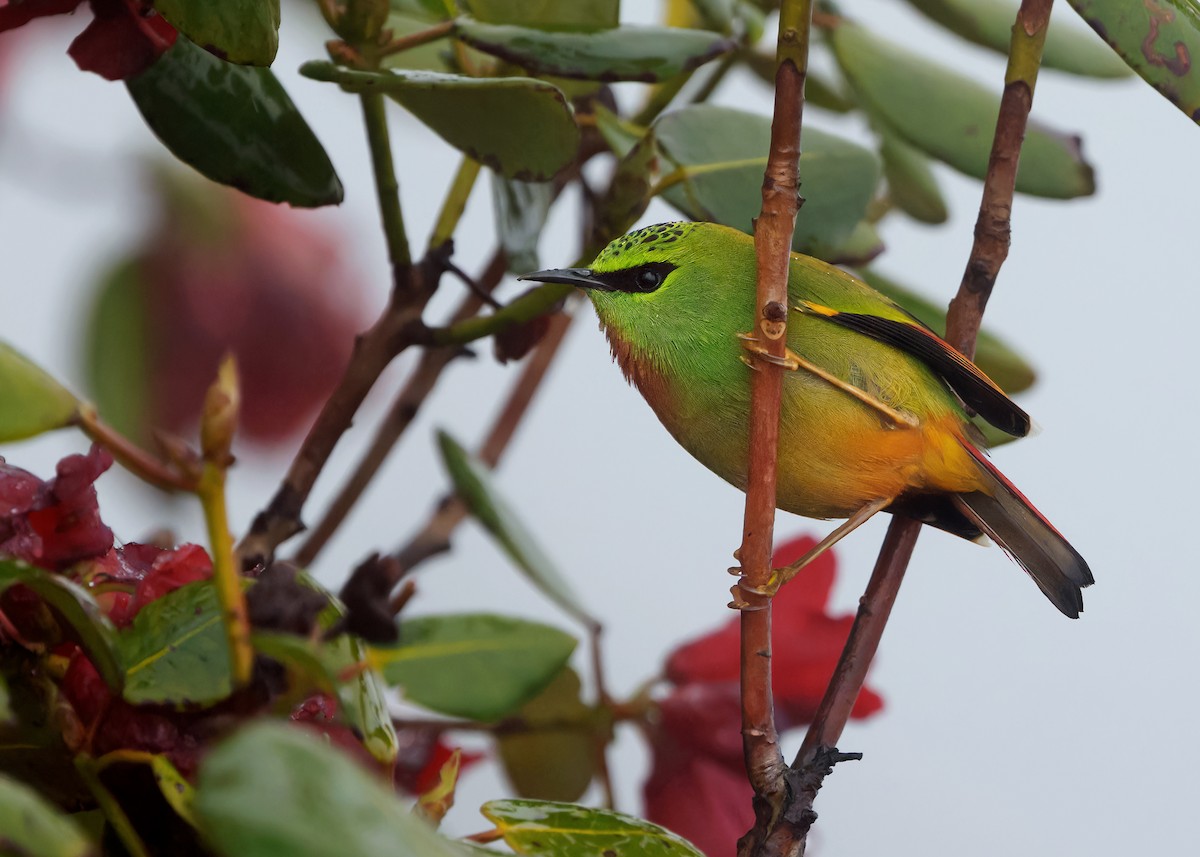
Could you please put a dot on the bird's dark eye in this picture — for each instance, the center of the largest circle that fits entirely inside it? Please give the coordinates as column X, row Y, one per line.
column 648, row 280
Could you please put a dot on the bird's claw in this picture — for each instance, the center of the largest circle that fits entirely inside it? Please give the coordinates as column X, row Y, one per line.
column 765, row 592
column 758, row 353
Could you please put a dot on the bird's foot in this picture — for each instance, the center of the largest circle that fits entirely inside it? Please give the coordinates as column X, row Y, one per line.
column 758, row 353
column 764, row 592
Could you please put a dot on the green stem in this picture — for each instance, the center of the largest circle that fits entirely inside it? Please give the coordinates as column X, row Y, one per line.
column 225, row 575
column 387, row 188
column 529, row 306
column 86, row 766
column 130, row 456
column 455, row 203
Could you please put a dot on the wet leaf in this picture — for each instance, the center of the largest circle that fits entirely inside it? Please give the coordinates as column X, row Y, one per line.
column 520, row 127
column 474, row 485
column 718, row 155
column 32, row 827
column 236, row 125
column 989, row 23
column 951, row 117
column 552, row 760
column 646, row 54
column 1159, row 39
column 548, row 14
column 565, row 830
column 33, row 401
column 473, row 665
column 992, row 354
column 520, row 209
column 272, row 790
column 912, row 186
column 95, row 632
column 176, row 651
column 115, row 343
column 240, row 31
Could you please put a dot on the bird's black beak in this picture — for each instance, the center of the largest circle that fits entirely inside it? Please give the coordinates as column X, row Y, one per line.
column 581, row 277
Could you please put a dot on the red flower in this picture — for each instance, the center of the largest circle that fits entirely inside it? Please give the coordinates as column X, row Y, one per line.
column 57, row 523
column 697, row 785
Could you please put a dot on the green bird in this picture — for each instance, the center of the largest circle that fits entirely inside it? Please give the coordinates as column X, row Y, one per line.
column 875, row 413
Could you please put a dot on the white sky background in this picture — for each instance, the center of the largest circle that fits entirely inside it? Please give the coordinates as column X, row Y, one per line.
column 1007, row 728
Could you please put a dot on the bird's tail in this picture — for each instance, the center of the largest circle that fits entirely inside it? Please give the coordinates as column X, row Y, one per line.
column 1010, row 520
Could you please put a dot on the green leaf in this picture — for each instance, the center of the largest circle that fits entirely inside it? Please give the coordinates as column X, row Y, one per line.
column 989, row 23
column 239, row 31
column 176, row 651
column 474, row 485
column 520, row 209
column 863, row 245
column 7, row 716
column 95, row 632
column 565, row 830
column 951, row 117
column 274, row 790
column 646, row 54
column 548, row 14
column 552, row 761
column 31, row 827
column 235, row 125
column 175, row 788
column 912, row 186
column 1159, row 39
column 473, row 665
column 993, row 355
column 33, row 401
column 431, row 56
column 520, row 127
column 115, row 348
column 719, row 153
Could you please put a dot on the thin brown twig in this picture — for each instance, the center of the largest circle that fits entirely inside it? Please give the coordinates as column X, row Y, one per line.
column 772, row 241
column 992, row 234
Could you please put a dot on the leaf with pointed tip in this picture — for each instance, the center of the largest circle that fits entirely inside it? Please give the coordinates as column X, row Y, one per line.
column 32, row 827
column 548, row 14
column 176, row 650
column 95, row 632
column 989, row 23
column 245, row 32
column 719, row 153
column 474, row 485
column 236, row 125
column 646, row 54
column 473, row 665
column 549, row 829
column 951, row 117
column 1159, row 39
column 272, row 789
column 520, row 127
column 33, row 401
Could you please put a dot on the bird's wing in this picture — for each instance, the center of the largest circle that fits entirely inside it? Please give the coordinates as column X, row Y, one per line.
column 977, row 390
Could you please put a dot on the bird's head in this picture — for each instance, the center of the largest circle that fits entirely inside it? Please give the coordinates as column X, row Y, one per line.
column 662, row 286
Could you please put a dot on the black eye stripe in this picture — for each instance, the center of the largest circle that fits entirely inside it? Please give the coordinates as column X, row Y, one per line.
column 641, row 279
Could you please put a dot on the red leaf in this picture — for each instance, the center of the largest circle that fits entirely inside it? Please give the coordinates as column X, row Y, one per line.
column 171, row 570
column 17, row 13
column 422, row 753
column 124, row 39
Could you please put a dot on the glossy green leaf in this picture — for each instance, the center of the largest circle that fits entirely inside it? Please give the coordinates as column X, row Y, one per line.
column 520, row 127
column 989, row 23
column 115, row 343
column 547, row 829
column 646, row 54
column 33, row 401
column 520, row 210
column 473, row 665
column 551, row 760
column 473, row 483
column 951, row 117
column 1159, row 39
column 176, row 651
column 716, row 157
column 240, row 31
column 330, row 666
column 77, row 608
column 273, row 790
column 992, row 354
column 912, row 186
column 235, row 125
column 32, row 827
column 547, row 14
